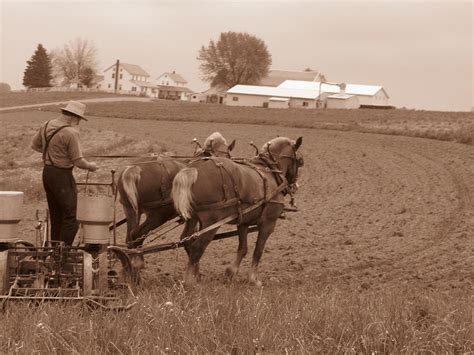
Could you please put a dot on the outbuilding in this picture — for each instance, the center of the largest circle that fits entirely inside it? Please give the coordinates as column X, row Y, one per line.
column 259, row 96
column 342, row 101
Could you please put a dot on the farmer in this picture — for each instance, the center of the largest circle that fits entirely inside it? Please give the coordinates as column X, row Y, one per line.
column 58, row 140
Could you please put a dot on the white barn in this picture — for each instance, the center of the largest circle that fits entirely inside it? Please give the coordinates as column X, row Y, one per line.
column 128, row 79
column 275, row 77
column 373, row 95
column 259, row 96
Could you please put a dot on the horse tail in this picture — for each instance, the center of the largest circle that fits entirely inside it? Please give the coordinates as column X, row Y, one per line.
column 130, row 178
column 181, row 192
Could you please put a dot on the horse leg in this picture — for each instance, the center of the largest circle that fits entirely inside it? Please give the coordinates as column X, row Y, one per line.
column 195, row 250
column 189, row 228
column 266, row 228
column 233, row 269
column 153, row 220
column 132, row 220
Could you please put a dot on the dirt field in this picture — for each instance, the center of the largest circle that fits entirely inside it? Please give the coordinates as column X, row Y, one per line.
column 375, row 210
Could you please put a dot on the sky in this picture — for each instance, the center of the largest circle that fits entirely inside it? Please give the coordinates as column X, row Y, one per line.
column 419, row 51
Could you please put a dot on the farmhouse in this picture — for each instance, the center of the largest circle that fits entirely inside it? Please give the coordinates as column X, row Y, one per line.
column 172, row 86
column 128, row 79
column 269, row 96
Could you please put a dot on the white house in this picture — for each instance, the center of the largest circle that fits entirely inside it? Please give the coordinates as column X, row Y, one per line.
column 259, row 96
column 172, row 86
column 129, row 79
column 371, row 95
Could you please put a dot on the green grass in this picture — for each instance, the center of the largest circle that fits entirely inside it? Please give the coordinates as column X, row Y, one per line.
column 235, row 319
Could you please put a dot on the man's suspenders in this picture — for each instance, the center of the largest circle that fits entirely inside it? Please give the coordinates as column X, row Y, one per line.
column 48, row 139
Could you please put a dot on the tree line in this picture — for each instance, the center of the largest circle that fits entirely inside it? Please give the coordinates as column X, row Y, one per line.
column 235, row 58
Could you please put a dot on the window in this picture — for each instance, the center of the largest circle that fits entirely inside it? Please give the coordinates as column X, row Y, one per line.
column 110, row 85
column 305, row 104
column 134, row 88
column 235, row 98
column 121, row 76
column 120, row 87
column 113, row 75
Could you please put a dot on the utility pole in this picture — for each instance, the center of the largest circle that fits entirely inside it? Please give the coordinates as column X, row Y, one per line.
column 116, row 75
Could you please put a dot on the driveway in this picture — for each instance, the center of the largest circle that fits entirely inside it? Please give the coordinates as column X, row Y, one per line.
column 105, row 99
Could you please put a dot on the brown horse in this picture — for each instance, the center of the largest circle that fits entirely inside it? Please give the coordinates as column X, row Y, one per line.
column 146, row 188
column 249, row 193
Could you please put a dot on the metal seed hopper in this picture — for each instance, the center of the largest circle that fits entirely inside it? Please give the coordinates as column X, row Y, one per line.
column 96, row 272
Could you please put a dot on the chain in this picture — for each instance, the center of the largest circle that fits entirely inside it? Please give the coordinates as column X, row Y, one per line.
column 155, row 231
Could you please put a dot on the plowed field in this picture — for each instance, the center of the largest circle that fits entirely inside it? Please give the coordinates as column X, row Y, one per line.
column 374, row 210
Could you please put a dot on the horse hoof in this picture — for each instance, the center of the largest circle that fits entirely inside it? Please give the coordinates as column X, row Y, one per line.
column 229, row 273
column 256, row 283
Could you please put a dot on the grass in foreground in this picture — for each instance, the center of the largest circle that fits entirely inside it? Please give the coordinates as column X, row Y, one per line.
column 238, row 319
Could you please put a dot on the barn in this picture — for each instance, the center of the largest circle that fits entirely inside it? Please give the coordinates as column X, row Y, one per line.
column 275, row 77
column 369, row 95
column 259, row 96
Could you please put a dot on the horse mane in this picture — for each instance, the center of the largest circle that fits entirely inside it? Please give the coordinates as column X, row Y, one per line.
column 214, row 140
column 275, row 142
column 215, row 137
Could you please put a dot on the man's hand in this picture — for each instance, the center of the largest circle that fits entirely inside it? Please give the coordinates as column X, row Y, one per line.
column 92, row 166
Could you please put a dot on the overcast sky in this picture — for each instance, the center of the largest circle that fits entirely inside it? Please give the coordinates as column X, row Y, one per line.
column 419, row 51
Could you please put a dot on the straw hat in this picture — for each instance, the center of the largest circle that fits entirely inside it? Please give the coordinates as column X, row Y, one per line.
column 76, row 108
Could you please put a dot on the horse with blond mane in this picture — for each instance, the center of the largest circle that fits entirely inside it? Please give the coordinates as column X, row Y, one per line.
column 247, row 193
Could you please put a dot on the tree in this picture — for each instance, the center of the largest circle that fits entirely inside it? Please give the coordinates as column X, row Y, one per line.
column 4, row 87
column 38, row 72
column 88, row 75
column 77, row 60
column 236, row 58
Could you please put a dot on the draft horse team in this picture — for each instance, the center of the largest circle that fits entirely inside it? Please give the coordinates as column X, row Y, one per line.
column 209, row 190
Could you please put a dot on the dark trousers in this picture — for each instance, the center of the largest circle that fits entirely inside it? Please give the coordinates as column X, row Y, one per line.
column 61, row 193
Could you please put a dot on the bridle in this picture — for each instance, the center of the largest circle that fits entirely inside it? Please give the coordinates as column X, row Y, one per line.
column 295, row 161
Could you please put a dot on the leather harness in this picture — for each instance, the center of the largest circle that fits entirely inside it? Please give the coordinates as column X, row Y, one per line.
column 269, row 164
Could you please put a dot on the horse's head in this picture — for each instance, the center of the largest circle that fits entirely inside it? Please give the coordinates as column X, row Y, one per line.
column 284, row 152
column 216, row 145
